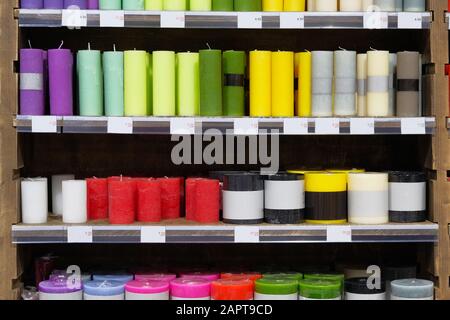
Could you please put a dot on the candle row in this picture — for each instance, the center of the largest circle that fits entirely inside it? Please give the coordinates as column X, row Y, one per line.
column 230, row 5
column 212, row 83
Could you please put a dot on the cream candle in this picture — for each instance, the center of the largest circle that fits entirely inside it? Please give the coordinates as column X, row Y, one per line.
column 344, row 83
column 392, row 85
column 361, row 73
column 310, row 5
column 385, row 5
column 326, row 5
column 377, row 83
column 74, row 201
column 34, row 200
column 367, row 5
column 412, row 289
column 350, row 5
column 322, row 83
column 57, row 181
column 414, row 5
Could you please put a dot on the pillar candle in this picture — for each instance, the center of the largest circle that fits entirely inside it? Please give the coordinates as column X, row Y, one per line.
column 398, row 5
column 276, row 289
column 397, row 272
column 310, row 5
column 191, row 187
column 147, row 290
column 296, row 68
column 59, row 290
column 188, row 84
column 414, row 5
column 361, row 74
column 34, row 200
column 311, row 289
column 260, row 83
column 110, row 4
column 135, row 5
column 377, row 83
column 392, row 84
column 149, row 84
column 412, row 289
column 247, row 5
column 229, row 289
column 135, row 83
column 222, row 5
column 57, row 202
column 174, row 5
column 121, row 200
column 32, row 92
column 207, row 200
column 74, row 201
column 408, row 74
column 350, row 5
column 211, row 82
column 282, row 84
column 337, row 277
column 53, row 4
column 304, row 84
column 357, row 289
column 78, row 4
column 164, row 102
column 32, row 4
column 272, row 5
column 200, row 5
column 367, row 4
column 60, row 66
column 154, row 5
column 113, row 80
column 190, row 289
column 368, row 198
column 326, row 5
column 233, row 84
column 103, row 290
column 385, row 5
column 97, row 198
column 344, row 83
column 90, row 82
column 170, row 197
column 294, row 5
column 92, row 4
column 322, row 83
column 148, row 200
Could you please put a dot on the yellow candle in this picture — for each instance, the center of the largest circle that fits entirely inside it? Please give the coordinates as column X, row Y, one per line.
column 294, row 5
column 135, row 83
column 377, row 83
column 296, row 66
column 260, row 83
column 282, row 84
column 272, row 5
column 304, row 84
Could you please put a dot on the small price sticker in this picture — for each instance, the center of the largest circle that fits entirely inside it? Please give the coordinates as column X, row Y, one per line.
column 292, row 20
column 44, row 124
column 376, row 20
column 182, row 126
column 112, row 18
column 295, row 126
column 120, row 125
column 153, row 234
column 74, row 18
column 173, row 19
column 328, row 126
column 413, row 125
column 409, row 20
column 339, row 234
column 246, row 126
column 244, row 234
column 79, row 234
column 362, row 126
column 249, row 20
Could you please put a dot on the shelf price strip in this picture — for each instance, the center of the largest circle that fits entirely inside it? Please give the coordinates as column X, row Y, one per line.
column 246, row 234
column 153, row 234
column 79, row 234
column 339, row 234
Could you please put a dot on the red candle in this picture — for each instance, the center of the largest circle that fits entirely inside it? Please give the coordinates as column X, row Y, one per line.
column 121, row 196
column 170, row 197
column 182, row 197
column 207, row 201
column 190, row 198
column 97, row 198
column 148, row 200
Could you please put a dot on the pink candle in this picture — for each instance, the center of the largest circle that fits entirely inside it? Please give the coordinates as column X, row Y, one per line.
column 190, row 289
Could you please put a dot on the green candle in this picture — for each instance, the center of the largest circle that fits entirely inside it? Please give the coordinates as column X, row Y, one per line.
column 200, row 5
column 327, row 277
column 175, row 5
column 113, row 79
column 247, row 5
column 90, row 82
column 311, row 289
column 164, row 83
column 286, row 275
column 133, row 5
column 233, row 85
column 277, row 287
column 110, row 4
column 135, row 83
column 188, row 84
column 222, row 5
column 149, row 84
column 154, row 5
column 210, row 82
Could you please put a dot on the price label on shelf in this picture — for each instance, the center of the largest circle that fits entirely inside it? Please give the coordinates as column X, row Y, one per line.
column 339, row 234
column 413, row 125
column 376, row 20
column 409, row 20
column 327, row 126
column 112, row 18
column 120, row 125
column 153, row 234
column 362, row 126
column 173, row 19
column 244, row 234
column 79, row 234
column 249, row 20
column 295, row 126
column 292, row 20
column 74, row 18
column 44, row 124
column 246, row 126
column 182, row 126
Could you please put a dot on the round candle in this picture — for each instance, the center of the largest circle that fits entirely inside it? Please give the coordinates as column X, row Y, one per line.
column 377, row 83
column 75, row 4
column 34, row 200
column 228, row 289
column 247, row 5
column 201, row 275
column 385, row 5
column 207, row 200
column 188, row 84
column 59, row 290
column 397, row 272
column 164, row 103
column 121, row 200
column 135, row 5
column 304, row 84
column 32, row 4
column 211, row 82
column 117, row 277
column 357, row 289
column 408, row 84
column 326, row 5
column 113, row 79
column 282, row 84
column 200, row 5
column 149, row 201
column 92, row 4
column 104, row 290
column 322, row 83
column 414, row 5
column 361, row 74
column 174, row 5
column 170, row 197
column 260, row 83
column 412, row 289
column 154, row 5
column 234, row 81
column 344, row 83
column 294, row 5
column 110, row 4
column 74, row 201
column 338, row 277
column 90, row 82
column 57, row 192
column 222, row 5
column 53, row 4
column 97, row 198
column 32, row 101
column 147, row 290
column 311, row 289
column 190, row 289
column 350, row 5
column 276, row 289
column 165, row 277
column 60, row 66
column 272, row 5
column 135, row 83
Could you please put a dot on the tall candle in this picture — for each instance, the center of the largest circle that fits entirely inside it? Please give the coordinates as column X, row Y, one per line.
column 310, row 5
column 164, row 103
column 191, row 194
column 34, row 200
column 53, row 4
column 154, row 5
column 377, row 83
column 74, row 199
column 385, row 5
column 32, row 4
column 322, row 83
column 294, row 5
column 414, row 5
column 367, row 4
column 412, row 289
column 97, row 198
column 260, row 83
column 90, row 82
column 32, row 101
column 233, row 85
column 344, row 83
column 247, row 5
column 60, row 66
column 174, row 5
column 170, row 197
column 350, row 5
column 149, row 200
column 408, row 74
column 211, row 83
column 77, row 4
column 113, row 79
column 110, row 4
column 272, row 5
column 133, row 4
column 304, row 84
column 121, row 200
column 207, row 199
column 149, row 84
column 57, row 202
column 361, row 71
column 92, row 4
column 135, row 83
column 282, row 84
column 200, row 5
column 326, row 5
column 188, row 84
column 392, row 83
column 222, row 5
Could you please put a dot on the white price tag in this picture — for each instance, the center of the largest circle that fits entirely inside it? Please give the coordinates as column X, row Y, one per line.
column 292, row 20
column 79, row 234
column 120, row 125
column 44, row 124
column 339, row 234
column 362, row 126
column 74, row 18
column 182, row 126
column 173, row 19
column 112, row 18
column 246, row 126
column 244, row 234
column 153, row 234
column 413, row 126
column 327, row 126
column 295, row 126
column 409, row 20
column 249, row 20
column 376, row 20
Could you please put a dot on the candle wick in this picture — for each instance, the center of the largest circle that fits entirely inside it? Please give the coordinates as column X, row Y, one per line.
column 114, row 46
column 343, row 49
column 208, row 46
column 89, row 46
column 29, row 44
column 60, row 46
column 306, row 50
column 373, row 49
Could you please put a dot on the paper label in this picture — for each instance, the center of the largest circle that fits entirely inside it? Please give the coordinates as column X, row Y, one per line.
column 327, row 126
column 376, row 20
column 44, row 124
column 120, row 125
column 339, row 234
column 362, row 126
column 182, row 126
column 112, row 18
column 153, row 234
column 246, row 126
column 249, row 20
column 295, row 126
column 409, row 20
column 413, row 126
column 244, row 234
column 173, row 19
column 74, row 18
column 79, row 234
column 292, row 20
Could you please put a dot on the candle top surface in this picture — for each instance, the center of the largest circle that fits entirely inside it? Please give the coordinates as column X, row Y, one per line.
column 276, row 286
column 211, row 276
column 190, row 288
column 147, row 287
column 60, row 285
column 167, row 277
column 284, row 275
column 122, row 277
column 412, row 288
column 244, row 275
column 104, row 288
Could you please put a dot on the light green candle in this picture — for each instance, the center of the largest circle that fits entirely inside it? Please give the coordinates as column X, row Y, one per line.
column 135, row 5
column 149, row 84
column 174, row 5
column 200, row 5
column 154, row 5
column 90, row 82
column 110, row 4
column 164, row 83
column 188, row 84
column 113, row 79
column 135, row 83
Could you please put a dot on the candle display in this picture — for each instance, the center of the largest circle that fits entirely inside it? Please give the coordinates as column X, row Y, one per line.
column 121, row 197
column 174, row 5
column 74, row 201
column 170, row 197
column 233, row 83
column 414, row 5
column 229, row 289
column 361, row 70
column 294, row 5
column 272, row 5
column 110, row 4
column 412, row 289
column 133, row 5
column 188, row 84
column 282, row 84
column 247, row 5
column 90, row 82
column 222, row 5
column 322, row 83
column 377, row 83
column 164, row 103
column 149, row 208
column 358, row 289
column 310, row 289
column 53, row 4
column 32, row 82
column 59, row 290
column 260, row 83
column 103, row 290
column 147, row 290
column 34, row 200
column 190, row 289
column 200, row 5
column 57, row 206
column 408, row 75
column 326, row 5
column 276, row 289
column 344, row 83
column 113, row 80
column 211, row 82
column 154, row 5
column 60, row 70
column 304, row 84
column 97, row 198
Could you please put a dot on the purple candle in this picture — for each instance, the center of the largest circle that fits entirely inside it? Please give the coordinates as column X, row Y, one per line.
column 32, row 4
column 32, row 82
column 60, row 289
column 53, row 4
column 60, row 66
column 74, row 4
column 92, row 4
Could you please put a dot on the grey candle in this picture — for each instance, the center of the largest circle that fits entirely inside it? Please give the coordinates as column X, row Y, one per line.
column 412, row 289
column 408, row 74
column 392, row 84
column 345, row 83
column 322, row 83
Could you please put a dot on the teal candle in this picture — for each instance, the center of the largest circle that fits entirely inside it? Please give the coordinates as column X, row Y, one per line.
column 211, row 82
column 110, row 4
column 90, row 82
column 135, row 5
column 414, row 5
column 113, row 79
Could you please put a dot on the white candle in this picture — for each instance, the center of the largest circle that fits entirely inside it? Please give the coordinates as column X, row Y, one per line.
column 322, row 83
column 377, row 83
column 350, row 5
column 34, row 200
column 392, row 77
column 385, row 5
column 74, row 201
column 344, row 83
column 326, row 5
column 361, row 70
column 57, row 192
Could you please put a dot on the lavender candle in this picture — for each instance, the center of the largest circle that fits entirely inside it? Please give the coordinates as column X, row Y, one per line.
column 53, row 4
column 60, row 290
column 32, row 4
column 32, row 95
column 92, row 4
column 60, row 65
column 75, row 4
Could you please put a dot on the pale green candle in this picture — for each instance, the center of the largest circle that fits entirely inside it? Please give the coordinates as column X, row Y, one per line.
column 110, row 5
column 90, row 82
column 135, row 5
column 154, row 5
column 113, row 79
column 188, row 84
column 164, row 83
column 135, row 83
column 174, row 5
column 200, row 5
